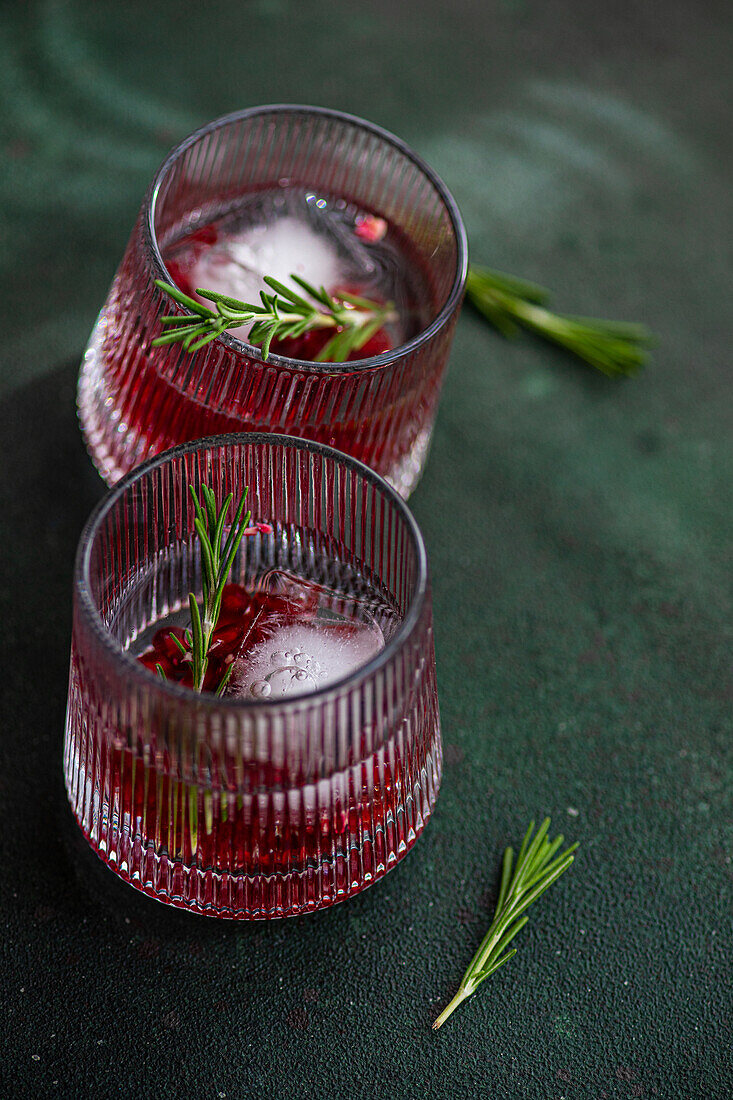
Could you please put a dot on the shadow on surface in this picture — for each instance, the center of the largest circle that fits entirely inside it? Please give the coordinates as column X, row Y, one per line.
column 48, row 489
column 91, row 966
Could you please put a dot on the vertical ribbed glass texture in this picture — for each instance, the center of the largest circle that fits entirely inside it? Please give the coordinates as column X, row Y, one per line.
column 247, row 808
column 136, row 401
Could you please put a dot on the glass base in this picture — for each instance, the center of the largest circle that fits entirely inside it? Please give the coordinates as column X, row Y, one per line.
column 212, row 894
column 357, row 856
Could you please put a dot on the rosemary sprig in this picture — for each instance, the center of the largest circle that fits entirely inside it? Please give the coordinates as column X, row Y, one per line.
column 281, row 314
column 536, row 868
column 216, row 563
column 217, row 558
column 613, row 347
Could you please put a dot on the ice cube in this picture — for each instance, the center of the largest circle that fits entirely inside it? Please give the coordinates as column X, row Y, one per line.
column 303, row 657
column 236, row 265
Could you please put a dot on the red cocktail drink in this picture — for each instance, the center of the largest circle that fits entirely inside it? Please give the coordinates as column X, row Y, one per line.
column 280, row 191
column 317, row 769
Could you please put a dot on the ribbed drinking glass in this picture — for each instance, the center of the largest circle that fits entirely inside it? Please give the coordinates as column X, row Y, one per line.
column 136, row 400
column 246, row 807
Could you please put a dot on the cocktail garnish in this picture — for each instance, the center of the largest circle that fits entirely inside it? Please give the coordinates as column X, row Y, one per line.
column 217, row 557
column 613, row 347
column 281, row 315
column 536, row 868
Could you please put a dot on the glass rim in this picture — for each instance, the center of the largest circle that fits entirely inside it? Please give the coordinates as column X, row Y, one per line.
column 373, row 362
column 175, row 692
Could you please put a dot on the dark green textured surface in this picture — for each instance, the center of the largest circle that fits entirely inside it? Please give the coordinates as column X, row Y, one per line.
column 579, row 533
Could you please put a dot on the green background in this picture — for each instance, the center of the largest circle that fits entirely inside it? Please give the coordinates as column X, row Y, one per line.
column 579, row 532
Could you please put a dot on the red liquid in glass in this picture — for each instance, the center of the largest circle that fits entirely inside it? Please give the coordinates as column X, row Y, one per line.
column 244, row 621
column 212, row 848
column 182, row 264
column 163, row 396
column 282, row 606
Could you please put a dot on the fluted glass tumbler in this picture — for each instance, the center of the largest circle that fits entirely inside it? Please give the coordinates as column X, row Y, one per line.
column 256, row 804
column 330, row 181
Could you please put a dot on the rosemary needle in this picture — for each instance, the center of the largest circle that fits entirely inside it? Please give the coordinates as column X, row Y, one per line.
column 537, row 867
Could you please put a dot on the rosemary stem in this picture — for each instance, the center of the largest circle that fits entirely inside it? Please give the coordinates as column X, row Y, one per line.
column 450, row 1008
column 316, row 320
column 534, row 316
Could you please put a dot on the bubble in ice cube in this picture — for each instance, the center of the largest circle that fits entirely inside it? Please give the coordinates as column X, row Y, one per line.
column 304, row 657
